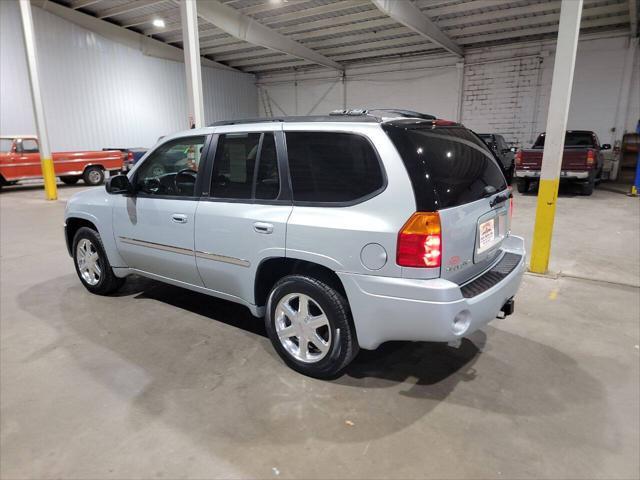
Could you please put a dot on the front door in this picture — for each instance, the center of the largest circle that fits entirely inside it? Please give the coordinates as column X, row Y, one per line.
column 154, row 227
column 28, row 158
column 243, row 220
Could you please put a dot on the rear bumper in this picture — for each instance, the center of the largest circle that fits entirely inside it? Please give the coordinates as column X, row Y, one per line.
column 435, row 310
column 568, row 174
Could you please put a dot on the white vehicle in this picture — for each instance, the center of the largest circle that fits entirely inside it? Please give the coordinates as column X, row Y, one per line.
column 343, row 231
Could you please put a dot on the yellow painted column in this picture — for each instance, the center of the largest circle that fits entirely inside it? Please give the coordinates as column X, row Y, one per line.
column 543, row 231
column 561, row 86
column 48, row 173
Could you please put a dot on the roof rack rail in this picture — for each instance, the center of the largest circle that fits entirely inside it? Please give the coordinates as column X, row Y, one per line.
column 245, row 120
column 404, row 113
column 354, row 112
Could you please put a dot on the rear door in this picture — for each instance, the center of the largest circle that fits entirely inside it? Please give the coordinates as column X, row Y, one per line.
column 453, row 172
column 242, row 218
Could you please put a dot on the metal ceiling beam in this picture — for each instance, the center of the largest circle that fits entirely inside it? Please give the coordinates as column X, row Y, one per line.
column 126, row 8
column 82, row 3
column 593, row 22
column 633, row 18
column 522, row 23
column 245, row 28
column 412, row 17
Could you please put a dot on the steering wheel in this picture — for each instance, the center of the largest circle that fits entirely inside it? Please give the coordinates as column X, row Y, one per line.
column 185, row 171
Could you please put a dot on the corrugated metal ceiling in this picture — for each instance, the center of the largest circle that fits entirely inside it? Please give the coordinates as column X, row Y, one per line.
column 355, row 31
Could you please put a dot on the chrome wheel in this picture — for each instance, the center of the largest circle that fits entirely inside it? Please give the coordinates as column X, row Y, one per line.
column 303, row 328
column 95, row 176
column 89, row 263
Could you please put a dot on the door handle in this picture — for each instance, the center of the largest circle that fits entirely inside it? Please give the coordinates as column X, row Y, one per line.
column 262, row 227
column 179, row 218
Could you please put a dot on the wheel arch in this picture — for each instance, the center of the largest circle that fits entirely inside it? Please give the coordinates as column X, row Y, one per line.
column 273, row 269
column 72, row 225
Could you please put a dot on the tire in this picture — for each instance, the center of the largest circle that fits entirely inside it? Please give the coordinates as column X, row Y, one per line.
column 336, row 333
column 589, row 185
column 69, row 180
column 88, row 240
column 93, row 176
column 523, row 185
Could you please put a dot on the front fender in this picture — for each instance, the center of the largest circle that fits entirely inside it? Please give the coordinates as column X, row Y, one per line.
column 96, row 206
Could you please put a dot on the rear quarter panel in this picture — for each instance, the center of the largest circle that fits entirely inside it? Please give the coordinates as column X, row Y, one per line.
column 335, row 236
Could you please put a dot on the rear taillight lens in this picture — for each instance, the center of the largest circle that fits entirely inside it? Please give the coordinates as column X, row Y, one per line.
column 518, row 158
column 130, row 156
column 420, row 241
column 591, row 158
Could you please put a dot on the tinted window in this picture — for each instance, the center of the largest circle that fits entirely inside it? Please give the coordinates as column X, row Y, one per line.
column 572, row 140
column 332, row 167
column 239, row 158
column 447, row 166
column 234, row 164
column 172, row 168
column 268, row 179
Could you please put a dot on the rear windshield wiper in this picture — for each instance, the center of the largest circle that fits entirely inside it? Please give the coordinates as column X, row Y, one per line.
column 501, row 198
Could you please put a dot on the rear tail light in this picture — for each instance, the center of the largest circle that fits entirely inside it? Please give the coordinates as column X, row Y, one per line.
column 518, row 158
column 591, row 158
column 420, row 241
column 130, row 156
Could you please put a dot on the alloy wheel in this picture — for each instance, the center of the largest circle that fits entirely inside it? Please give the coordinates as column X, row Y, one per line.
column 89, row 263
column 302, row 328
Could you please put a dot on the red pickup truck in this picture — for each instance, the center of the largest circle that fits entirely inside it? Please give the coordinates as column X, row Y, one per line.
column 582, row 161
column 20, row 160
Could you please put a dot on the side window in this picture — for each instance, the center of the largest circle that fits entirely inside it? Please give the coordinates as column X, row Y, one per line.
column 268, row 178
column 332, row 167
column 172, row 168
column 29, row 145
column 246, row 167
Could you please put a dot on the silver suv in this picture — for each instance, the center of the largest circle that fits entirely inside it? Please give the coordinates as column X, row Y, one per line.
column 342, row 231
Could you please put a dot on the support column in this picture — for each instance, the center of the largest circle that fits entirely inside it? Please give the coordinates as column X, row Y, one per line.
column 460, row 69
column 191, row 47
column 48, row 173
column 561, row 85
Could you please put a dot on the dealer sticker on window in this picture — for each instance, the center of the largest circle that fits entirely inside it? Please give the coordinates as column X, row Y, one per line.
column 487, row 234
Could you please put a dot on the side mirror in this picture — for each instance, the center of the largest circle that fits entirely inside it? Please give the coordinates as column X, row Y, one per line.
column 118, row 184
column 605, row 146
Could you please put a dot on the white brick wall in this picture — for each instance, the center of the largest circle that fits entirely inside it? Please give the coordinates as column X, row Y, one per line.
column 501, row 97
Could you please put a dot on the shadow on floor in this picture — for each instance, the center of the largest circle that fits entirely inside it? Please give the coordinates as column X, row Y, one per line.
column 170, row 353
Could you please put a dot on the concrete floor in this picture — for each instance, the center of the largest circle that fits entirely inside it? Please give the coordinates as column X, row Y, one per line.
column 160, row 382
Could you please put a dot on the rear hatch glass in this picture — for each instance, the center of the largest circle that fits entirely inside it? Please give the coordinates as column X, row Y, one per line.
column 453, row 172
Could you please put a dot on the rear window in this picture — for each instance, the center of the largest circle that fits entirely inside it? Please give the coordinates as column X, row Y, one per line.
column 332, row 167
column 448, row 166
column 572, row 140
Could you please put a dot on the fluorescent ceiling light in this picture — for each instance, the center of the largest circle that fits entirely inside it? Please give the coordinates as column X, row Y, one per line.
column 159, row 23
